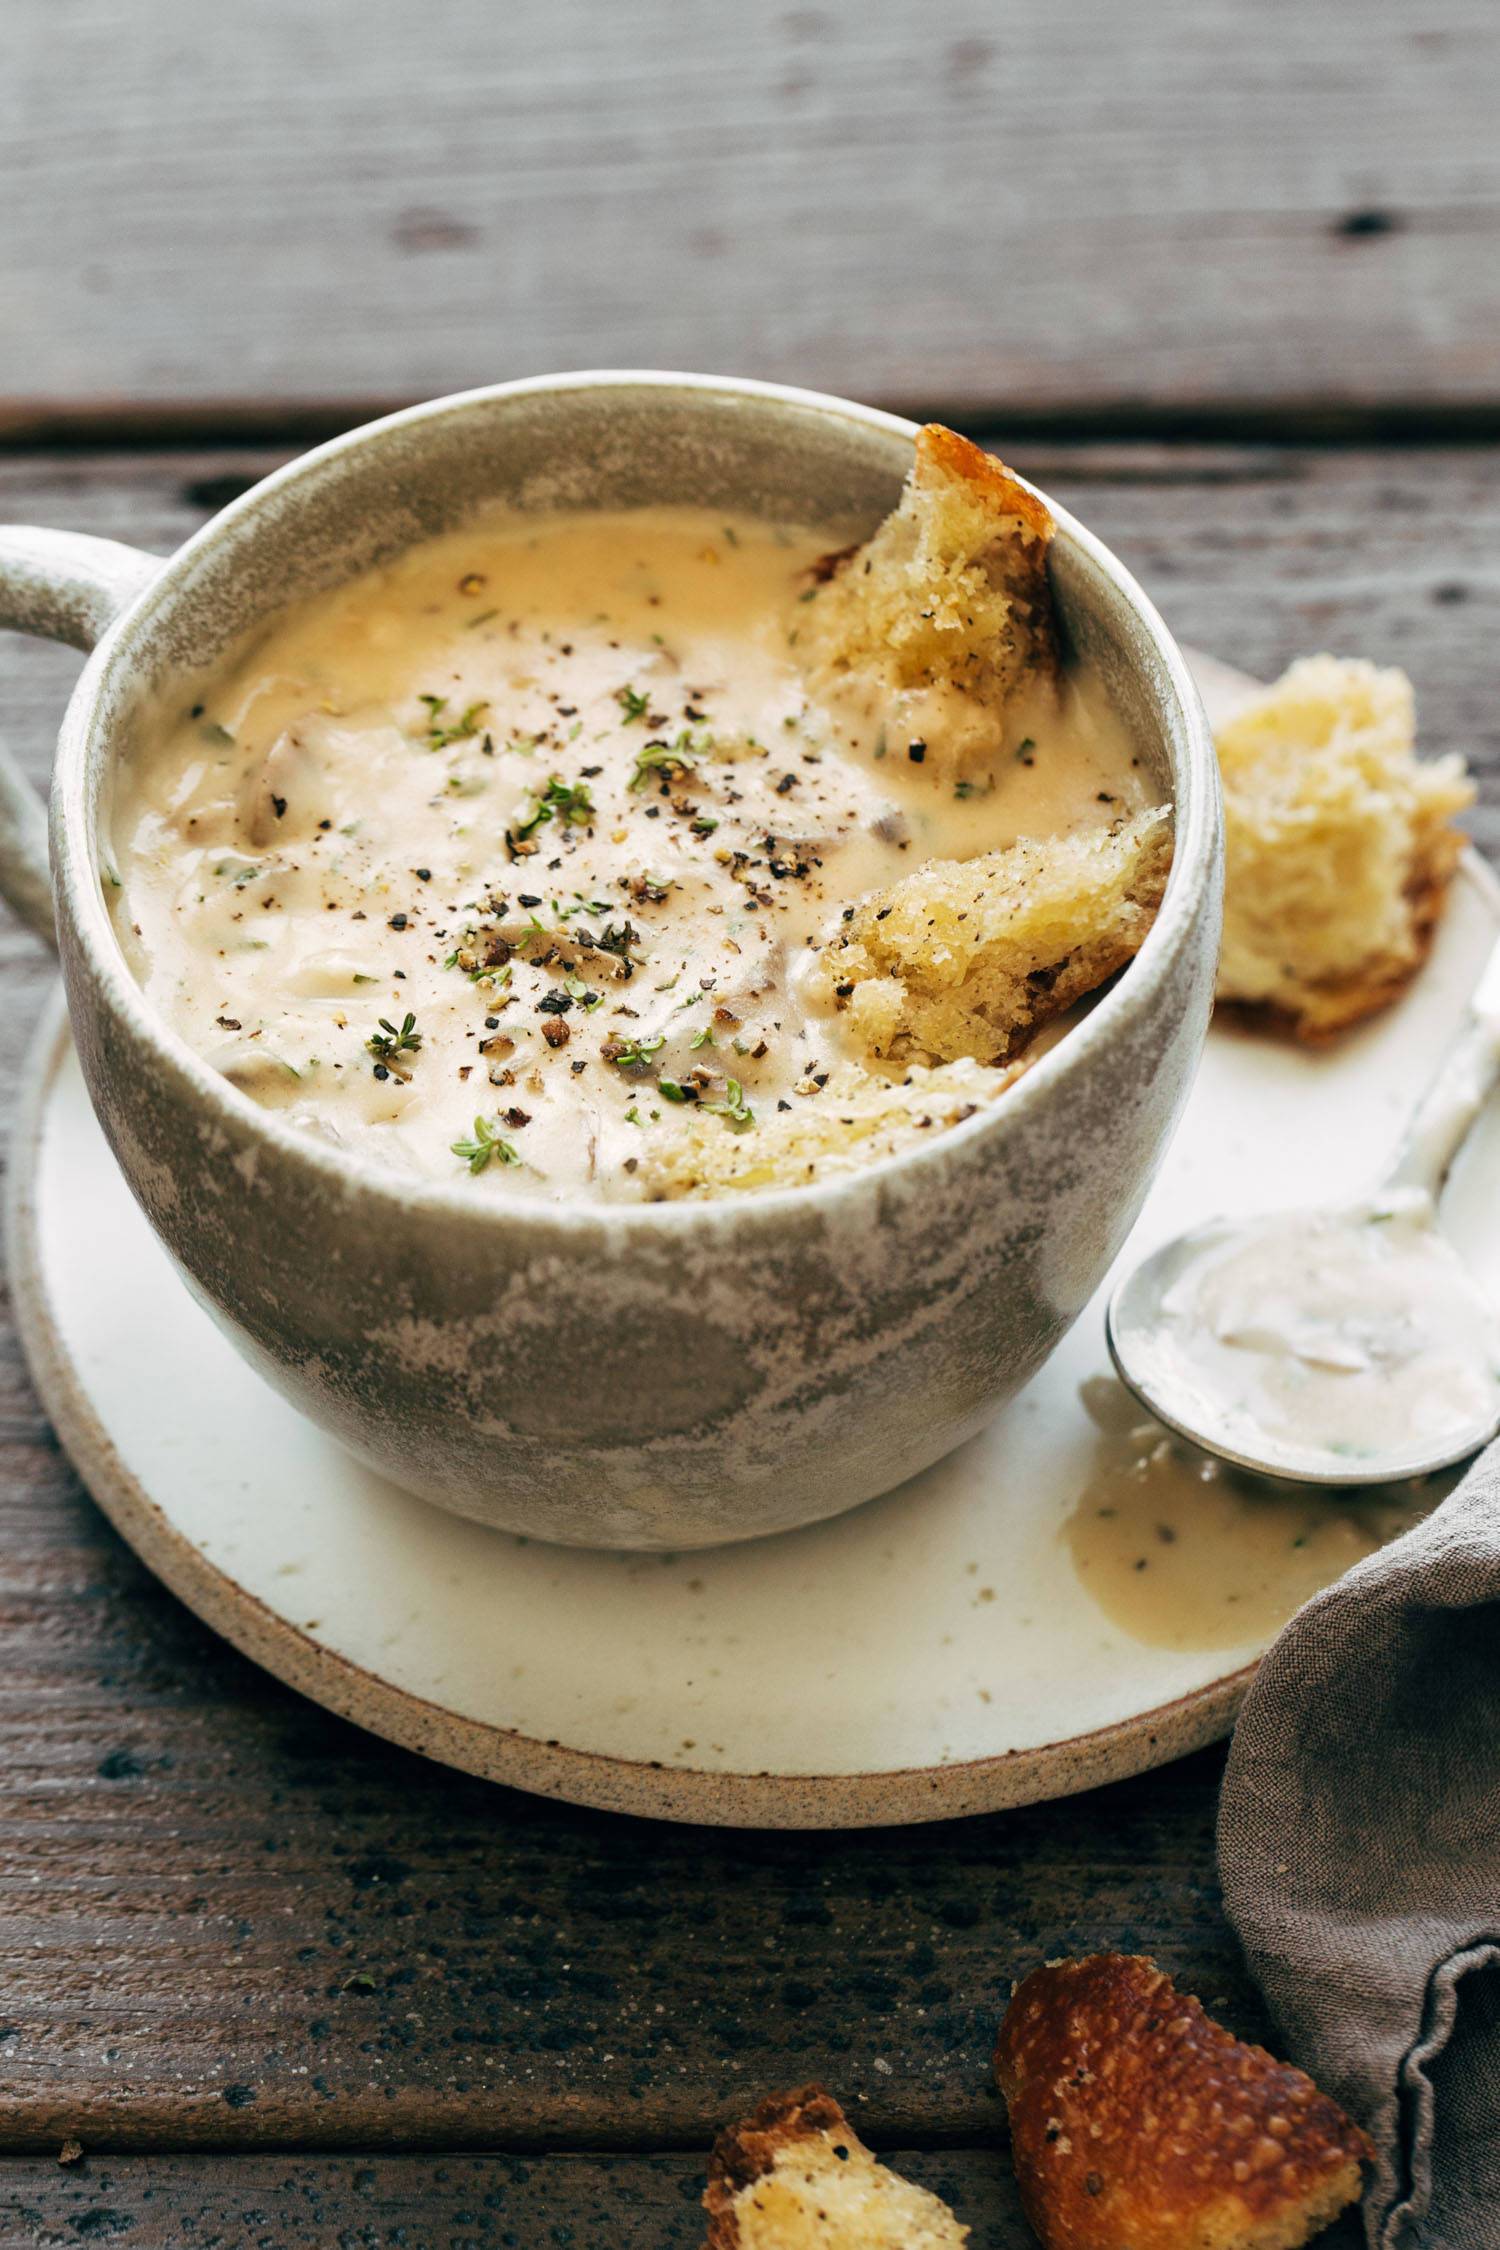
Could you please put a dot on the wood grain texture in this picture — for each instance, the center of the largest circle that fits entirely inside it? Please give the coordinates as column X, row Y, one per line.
column 416, row 2203
column 1099, row 205
column 229, row 1923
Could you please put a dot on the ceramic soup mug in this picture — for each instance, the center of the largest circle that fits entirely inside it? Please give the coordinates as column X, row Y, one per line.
column 665, row 1375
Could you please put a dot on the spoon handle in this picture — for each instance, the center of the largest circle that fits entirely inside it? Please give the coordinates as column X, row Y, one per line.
column 1457, row 1093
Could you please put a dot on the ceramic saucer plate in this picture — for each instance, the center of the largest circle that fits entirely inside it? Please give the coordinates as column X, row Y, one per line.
column 986, row 1636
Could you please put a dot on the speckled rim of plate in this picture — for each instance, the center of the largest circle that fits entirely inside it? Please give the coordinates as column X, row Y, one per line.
column 550, row 1769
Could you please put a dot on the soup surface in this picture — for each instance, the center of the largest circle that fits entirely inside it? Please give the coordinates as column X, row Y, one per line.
column 495, row 863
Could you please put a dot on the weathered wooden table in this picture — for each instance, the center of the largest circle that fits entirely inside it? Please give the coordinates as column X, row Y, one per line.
column 1224, row 279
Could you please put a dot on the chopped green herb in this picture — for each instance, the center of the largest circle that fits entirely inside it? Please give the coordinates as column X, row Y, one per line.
column 568, row 801
column 632, row 703
column 703, row 1038
column 734, row 1107
column 665, row 758
column 388, row 1044
column 485, row 1144
column 671, row 1091
column 441, row 731
column 634, row 1054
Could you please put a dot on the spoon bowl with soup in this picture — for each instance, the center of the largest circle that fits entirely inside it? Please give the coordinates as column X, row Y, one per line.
column 1349, row 1346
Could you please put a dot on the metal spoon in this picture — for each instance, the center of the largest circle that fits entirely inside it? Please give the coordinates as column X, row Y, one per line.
column 1201, row 1382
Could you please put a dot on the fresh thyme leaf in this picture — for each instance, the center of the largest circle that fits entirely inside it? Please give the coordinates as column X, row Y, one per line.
column 571, row 802
column 671, row 1091
column 388, row 1044
column 665, row 758
column 441, row 731
column 486, row 1143
column 734, row 1108
column 632, row 703
column 577, row 990
column 703, row 1038
column 633, row 1054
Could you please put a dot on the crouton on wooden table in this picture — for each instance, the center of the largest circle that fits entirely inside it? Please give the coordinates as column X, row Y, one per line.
column 1137, row 2123
column 795, row 2176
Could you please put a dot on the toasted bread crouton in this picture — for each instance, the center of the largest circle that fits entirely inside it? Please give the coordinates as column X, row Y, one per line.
column 840, row 1127
column 1139, row 2124
column 795, row 2176
column 969, row 957
column 1339, row 845
column 946, row 609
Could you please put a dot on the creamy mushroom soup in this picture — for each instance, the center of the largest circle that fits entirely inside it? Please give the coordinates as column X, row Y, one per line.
column 496, row 863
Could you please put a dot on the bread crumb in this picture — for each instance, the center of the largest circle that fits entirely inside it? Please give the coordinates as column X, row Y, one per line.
column 796, row 2176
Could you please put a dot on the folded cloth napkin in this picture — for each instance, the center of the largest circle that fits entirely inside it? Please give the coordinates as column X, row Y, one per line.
column 1359, row 1848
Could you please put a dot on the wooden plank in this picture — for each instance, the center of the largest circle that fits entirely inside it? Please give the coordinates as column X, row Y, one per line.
column 456, row 2203
column 227, row 1921
column 1095, row 207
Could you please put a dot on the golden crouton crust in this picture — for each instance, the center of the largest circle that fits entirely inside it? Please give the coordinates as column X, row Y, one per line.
column 851, row 1122
column 744, row 2153
column 951, row 591
column 1140, row 2124
column 942, row 452
column 971, row 957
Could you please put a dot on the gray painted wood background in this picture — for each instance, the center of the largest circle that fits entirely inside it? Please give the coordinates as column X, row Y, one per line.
column 1140, row 206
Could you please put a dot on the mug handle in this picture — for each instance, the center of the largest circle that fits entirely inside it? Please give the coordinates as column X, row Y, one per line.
column 60, row 586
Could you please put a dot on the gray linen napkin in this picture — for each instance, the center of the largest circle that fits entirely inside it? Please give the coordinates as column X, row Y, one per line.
column 1359, row 1848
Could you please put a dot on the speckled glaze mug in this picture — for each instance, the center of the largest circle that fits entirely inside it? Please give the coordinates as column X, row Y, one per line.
column 667, row 1375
